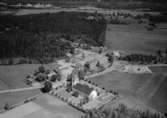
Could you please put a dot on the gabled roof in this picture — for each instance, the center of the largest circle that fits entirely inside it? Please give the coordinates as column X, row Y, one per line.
column 83, row 88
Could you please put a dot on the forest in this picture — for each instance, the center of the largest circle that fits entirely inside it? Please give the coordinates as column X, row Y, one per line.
column 44, row 37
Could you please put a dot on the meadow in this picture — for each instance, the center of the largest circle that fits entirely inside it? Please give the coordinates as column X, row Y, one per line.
column 54, row 108
column 149, row 89
column 13, row 77
column 45, row 106
column 135, row 38
column 158, row 69
column 16, row 97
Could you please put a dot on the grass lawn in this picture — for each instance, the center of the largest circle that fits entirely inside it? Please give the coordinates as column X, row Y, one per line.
column 135, row 38
column 149, row 88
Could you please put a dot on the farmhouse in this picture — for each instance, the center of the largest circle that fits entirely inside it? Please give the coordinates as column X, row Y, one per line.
column 85, row 90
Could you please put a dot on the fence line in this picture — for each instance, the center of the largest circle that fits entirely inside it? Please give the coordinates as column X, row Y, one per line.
column 21, row 103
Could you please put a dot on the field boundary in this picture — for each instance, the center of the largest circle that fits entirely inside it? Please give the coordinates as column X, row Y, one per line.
column 21, row 103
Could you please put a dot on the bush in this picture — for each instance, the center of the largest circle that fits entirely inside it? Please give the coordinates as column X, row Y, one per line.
column 6, row 106
column 159, row 57
column 76, row 94
column 47, row 87
column 41, row 69
column 41, row 77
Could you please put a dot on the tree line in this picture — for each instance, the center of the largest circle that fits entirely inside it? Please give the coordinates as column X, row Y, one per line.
column 121, row 112
column 159, row 57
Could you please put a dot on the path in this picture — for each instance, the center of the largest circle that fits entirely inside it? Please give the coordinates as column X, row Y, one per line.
column 157, row 65
column 78, row 9
column 19, row 89
column 100, row 73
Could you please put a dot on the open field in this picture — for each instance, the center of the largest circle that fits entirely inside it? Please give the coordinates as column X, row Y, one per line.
column 13, row 76
column 158, row 69
column 150, row 89
column 135, row 38
column 52, row 107
column 45, row 106
column 16, row 97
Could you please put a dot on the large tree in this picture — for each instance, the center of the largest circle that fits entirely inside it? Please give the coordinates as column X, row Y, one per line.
column 47, row 87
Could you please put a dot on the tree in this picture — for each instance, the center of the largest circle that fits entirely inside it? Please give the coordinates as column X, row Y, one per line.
column 28, row 81
column 121, row 111
column 67, row 59
column 110, row 57
column 69, row 83
column 58, row 77
column 98, row 64
column 41, row 69
column 28, row 39
column 47, row 87
column 81, row 75
column 76, row 94
column 85, row 99
column 6, row 106
column 166, row 50
column 159, row 53
column 47, row 71
column 36, row 73
column 86, row 66
column 55, row 77
column 41, row 77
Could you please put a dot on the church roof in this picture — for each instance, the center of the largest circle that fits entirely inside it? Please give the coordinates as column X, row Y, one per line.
column 83, row 88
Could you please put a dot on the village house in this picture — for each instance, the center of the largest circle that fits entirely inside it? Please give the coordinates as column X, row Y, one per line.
column 85, row 90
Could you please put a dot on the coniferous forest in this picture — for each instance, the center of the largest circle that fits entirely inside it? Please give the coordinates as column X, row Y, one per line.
column 46, row 36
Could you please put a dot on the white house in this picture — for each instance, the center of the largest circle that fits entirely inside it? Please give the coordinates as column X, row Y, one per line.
column 93, row 95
